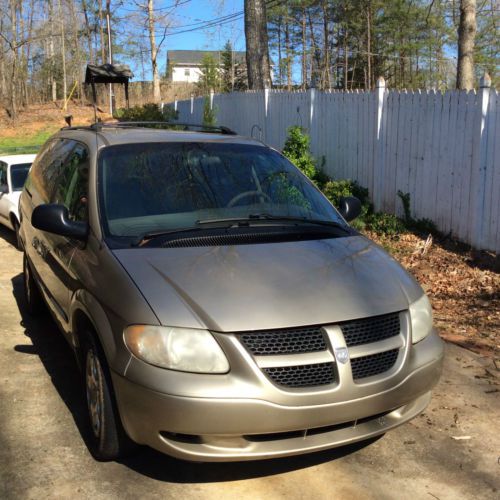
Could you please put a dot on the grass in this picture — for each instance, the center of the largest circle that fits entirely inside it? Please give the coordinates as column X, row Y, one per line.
column 26, row 143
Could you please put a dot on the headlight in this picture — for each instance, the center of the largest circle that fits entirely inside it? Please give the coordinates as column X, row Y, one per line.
column 421, row 319
column 181, row 349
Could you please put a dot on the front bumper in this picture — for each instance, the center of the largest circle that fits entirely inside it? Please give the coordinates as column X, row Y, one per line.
column 246, row 428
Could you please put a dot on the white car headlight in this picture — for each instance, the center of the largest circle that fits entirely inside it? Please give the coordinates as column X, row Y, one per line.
column 182, row 349
column 421, row 319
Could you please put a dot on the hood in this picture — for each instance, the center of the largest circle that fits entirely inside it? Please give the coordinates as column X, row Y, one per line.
column 266, row 286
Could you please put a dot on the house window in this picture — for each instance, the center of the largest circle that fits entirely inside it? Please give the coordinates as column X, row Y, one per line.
column 186, row 72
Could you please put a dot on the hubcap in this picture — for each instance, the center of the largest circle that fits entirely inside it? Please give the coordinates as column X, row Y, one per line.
column 94, row 391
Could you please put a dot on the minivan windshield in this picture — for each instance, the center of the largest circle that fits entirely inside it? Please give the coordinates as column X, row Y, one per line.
column 156, row 187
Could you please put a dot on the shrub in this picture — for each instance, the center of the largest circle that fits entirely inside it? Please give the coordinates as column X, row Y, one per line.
column 209, row 118
column 147, row 113
column 383, row 223
column 297, row 150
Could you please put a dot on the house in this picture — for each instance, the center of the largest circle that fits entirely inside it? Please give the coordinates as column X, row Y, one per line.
column 184, row 66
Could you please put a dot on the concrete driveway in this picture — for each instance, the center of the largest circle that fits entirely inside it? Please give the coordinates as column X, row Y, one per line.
column 43, row 427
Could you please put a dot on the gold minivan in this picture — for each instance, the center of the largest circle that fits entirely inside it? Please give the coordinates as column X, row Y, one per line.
column 219, row 306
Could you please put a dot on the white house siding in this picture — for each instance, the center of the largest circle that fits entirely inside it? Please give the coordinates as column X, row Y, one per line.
column 179, row 74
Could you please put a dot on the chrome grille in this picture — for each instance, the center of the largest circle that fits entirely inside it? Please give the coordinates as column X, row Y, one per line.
column 289, row 341
column 303, row 375
column 375, row 364
column 367, row 330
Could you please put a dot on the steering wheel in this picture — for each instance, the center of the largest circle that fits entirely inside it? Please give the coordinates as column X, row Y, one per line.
column 245, row 194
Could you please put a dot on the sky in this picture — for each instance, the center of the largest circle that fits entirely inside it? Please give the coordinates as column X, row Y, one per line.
column 184, row 17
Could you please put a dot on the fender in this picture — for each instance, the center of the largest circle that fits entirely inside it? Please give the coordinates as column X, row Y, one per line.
column 111, row 341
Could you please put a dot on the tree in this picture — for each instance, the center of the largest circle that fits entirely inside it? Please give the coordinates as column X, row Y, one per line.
column 258, row 67
column 154, row 53
column 466, row 38
column 227, row 68
column 210, row 78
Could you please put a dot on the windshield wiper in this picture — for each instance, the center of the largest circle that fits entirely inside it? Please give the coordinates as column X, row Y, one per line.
column 235, row 221
column 256, row 218
column 147, row 237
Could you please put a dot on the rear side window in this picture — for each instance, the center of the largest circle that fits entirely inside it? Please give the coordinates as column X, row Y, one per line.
column 46, row 169
column 18, row 174
column 71, row 185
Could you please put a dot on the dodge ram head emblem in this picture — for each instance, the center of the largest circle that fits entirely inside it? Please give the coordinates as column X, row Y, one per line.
column 342, row 354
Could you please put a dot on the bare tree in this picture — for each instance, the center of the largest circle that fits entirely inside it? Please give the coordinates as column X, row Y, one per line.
column 154, row 52
column 466, row 38
column 258, row 67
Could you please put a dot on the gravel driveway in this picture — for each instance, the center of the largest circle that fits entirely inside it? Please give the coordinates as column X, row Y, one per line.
column 452, row 451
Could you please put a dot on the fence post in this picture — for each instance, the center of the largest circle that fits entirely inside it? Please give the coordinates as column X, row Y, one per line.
column 312, row 99
column 192, row 104
column 379, row 153
column 211, row 99
column 479, row 165
column 311, row 119
column 175, row 105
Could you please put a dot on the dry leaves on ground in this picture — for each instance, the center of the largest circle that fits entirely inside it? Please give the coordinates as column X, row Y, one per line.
column 463, row 286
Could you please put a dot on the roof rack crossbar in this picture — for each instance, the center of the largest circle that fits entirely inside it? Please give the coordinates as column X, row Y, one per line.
column 184, row 126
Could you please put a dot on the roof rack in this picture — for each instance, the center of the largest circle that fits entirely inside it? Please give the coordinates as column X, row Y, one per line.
column 155, row 124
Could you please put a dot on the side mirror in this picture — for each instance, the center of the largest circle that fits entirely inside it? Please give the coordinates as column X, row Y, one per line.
column 55, row 219
column 4, row 189
column 349, row 207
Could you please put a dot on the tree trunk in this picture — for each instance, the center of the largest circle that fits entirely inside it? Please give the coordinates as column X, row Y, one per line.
column 369, row 43
column 466, row 38
column 257, row 55
column 288, row 56
column 346, row 61
column 88, row 32
column 304, row 50
column 14, row 73
column 154, row 52
column 101, row 33
column 280, row 58
column 326, row 83
column 63, row 52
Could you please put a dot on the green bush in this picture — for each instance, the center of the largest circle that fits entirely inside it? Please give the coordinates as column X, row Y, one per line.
column 209, row 118
column 386, row 224
column 147, row 113
column 297, row 150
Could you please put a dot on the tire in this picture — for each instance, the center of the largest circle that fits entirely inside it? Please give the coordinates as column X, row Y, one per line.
column 19, row 243
column 107, row 438
column 32, row 295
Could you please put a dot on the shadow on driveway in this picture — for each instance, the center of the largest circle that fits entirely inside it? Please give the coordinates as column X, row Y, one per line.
column 8, row 235
column 59, row 362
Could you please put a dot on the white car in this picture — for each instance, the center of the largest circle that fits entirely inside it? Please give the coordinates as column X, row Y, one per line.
column 13, row 172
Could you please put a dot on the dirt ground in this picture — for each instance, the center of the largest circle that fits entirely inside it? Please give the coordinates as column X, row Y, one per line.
column 451, row 451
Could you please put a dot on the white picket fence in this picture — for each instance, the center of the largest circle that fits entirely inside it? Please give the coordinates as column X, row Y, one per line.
column 442, row 148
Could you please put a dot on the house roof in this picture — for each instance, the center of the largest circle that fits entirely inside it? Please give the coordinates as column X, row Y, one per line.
column 195, row 57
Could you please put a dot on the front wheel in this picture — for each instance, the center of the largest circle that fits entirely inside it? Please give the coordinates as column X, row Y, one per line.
column 108, row 440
